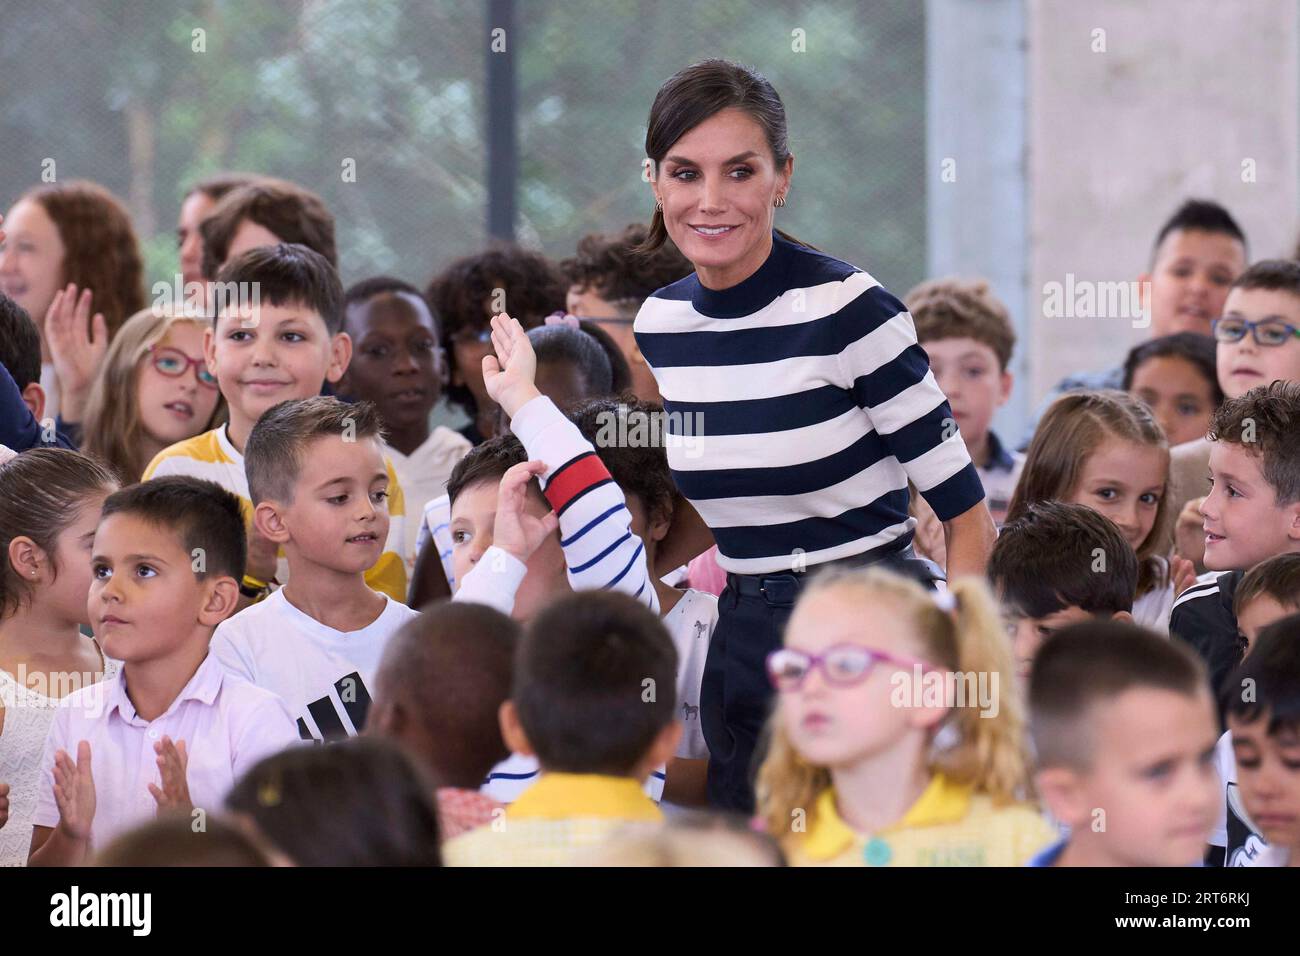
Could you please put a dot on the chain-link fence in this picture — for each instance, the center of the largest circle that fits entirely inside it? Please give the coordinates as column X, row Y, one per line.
column 149, row 95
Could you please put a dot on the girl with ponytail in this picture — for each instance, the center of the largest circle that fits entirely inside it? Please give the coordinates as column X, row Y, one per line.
column 50, row 503
column 899, row 744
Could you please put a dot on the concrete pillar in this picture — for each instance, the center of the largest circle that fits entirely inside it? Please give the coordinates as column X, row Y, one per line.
column 976, row 216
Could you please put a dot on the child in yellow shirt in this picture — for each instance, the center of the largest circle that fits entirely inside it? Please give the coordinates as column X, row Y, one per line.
column 898, row 738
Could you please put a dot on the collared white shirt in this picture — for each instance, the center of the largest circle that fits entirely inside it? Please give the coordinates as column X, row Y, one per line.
column 691, row 623
column 227, row 724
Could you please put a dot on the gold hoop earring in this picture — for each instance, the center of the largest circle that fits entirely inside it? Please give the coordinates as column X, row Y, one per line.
column 780, row 201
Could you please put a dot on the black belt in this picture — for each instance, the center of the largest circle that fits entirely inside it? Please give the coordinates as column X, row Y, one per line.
column 780, row 585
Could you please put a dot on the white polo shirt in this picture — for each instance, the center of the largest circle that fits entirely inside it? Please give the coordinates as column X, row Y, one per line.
column 227, row 724
column 323, row 674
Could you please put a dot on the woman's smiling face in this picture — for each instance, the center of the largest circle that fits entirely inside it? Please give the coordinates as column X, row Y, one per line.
column 718, row 184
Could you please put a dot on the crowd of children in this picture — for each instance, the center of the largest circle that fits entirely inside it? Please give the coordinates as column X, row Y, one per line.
column 697, row 548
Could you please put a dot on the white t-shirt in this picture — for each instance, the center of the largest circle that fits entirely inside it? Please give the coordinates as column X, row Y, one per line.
column 1152, row 609
column 511, row 777
column 322, row 674
column 1243, row 844
column 691, row 623
column 435, row 526
column 1269, row 856
column 423, row 477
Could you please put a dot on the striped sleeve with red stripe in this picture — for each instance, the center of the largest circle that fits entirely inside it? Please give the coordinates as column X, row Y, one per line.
column 574, row 479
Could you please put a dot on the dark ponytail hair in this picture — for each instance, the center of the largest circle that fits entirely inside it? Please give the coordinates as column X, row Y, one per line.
column 691, row 96
column 40, row 493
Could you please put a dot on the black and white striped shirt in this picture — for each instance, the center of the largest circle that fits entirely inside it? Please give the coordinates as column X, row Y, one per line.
column 799, row 404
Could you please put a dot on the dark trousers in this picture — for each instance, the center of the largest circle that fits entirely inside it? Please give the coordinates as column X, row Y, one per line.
column 736, row 697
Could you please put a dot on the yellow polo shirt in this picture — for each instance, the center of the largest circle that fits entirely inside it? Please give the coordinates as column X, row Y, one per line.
column 211, row 455
column 949, row 825
column 558, row 815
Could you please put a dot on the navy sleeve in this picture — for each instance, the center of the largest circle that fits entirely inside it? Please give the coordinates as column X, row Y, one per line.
column 19, row 428
column 1205, row 622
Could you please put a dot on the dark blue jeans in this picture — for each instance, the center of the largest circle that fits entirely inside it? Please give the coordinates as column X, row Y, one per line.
column 736, row 697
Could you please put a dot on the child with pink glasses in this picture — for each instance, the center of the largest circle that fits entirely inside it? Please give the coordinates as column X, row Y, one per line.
column 898, row 744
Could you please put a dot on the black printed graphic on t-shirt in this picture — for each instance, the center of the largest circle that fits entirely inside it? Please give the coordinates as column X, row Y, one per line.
column 352, row 697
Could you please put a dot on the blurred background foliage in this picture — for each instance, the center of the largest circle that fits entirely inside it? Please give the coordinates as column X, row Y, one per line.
column 114, row 91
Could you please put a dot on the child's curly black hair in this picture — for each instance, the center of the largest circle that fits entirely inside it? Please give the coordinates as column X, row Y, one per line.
column 463, row 296
column 610, row 266
column 638, row 467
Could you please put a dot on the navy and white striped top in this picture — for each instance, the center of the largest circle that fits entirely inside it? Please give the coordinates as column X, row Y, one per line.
column 799, row 404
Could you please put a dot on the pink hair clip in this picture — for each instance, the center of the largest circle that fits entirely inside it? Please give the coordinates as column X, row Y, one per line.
column 561, row 318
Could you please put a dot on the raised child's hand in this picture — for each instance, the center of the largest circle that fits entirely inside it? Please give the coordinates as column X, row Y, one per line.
column 74, row 792
column 516, row 531
column 175, row 791
column 510, row 374
column 1189, row 532
column 77, row 347
column 1182, row 574
column 263, row 556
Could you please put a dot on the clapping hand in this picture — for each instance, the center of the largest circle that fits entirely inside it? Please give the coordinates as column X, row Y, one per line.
column 74, row 792
column 174, row 794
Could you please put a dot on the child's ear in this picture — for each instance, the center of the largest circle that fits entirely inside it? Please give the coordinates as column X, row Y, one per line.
column 221, row 600
column 34, row 399
column 512, row 731
column 393, row 720
column 340, row 357
column 1008, row 382
column 270, row 523
column 1293, row 527
column 26, row 558
column 210, row 347
column 660, row 522
column 1144, row 283
column 1124, row 616
column 928, row 717
column 387, row 718
column 1062, row 791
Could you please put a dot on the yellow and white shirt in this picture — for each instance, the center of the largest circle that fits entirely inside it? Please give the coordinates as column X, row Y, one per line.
column 557, row 816
column 211, row 455
column 949, row 825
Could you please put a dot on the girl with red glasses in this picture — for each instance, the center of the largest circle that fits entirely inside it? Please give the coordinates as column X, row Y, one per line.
column 152, row 390
column 898, row 737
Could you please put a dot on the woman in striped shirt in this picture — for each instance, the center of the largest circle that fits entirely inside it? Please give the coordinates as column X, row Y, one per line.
column 798, row 401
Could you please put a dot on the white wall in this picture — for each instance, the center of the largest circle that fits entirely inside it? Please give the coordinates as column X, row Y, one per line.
column 1185, row 91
